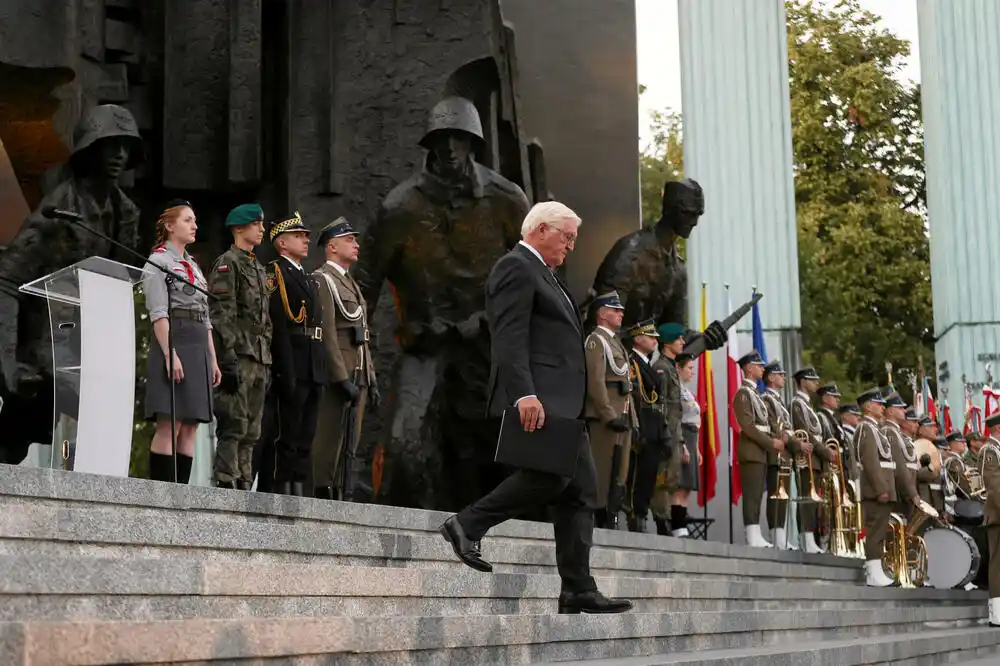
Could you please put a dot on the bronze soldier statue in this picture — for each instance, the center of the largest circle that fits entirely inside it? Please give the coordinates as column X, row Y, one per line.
column 647, row 271
column 436, row 237
column 106, row 143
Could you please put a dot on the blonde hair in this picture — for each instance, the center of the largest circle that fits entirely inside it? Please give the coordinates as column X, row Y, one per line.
column 547, row 212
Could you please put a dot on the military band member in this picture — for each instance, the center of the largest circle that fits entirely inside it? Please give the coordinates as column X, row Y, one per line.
column 990, row 470
column 850, row 417
column 903, row 454
column 781, row 423
column 242, row 327
column 804, row 418
column 929, row 482
column 974, row 441
column 755, row 445
column 878, row 485
column 349, row 360
column 608, row 412
column 299, row 359
column 653, row 441
column 953, row 464
column 829, row 403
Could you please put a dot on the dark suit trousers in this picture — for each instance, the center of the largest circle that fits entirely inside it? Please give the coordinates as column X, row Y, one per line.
column 644, row 468
column 296, row 428
column 571, row 501
column 777, row 510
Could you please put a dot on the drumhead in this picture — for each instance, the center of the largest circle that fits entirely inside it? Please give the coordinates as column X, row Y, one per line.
column 952, row 557
column 969, row 512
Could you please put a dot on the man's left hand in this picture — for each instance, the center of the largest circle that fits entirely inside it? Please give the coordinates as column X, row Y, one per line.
column 374, row 398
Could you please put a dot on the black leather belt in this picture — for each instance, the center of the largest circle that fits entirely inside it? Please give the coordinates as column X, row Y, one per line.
column 193, row 315
column 312, row 332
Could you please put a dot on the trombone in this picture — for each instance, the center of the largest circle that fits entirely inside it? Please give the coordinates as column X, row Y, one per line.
column 846, row 538
column 803, row 460
column 784, row 468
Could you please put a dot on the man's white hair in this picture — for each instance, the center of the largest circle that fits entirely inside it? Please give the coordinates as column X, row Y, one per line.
column 552, row 213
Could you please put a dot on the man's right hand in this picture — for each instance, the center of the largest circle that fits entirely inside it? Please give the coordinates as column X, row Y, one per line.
column 349, row 391
column 618, row 424
column 807, row 448
column 779, row 445
column 531, row 412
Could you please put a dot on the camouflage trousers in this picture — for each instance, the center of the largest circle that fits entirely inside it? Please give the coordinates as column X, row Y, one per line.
column 238, row 417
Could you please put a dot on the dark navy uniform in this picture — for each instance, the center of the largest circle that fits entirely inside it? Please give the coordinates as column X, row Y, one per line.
column 299, row 367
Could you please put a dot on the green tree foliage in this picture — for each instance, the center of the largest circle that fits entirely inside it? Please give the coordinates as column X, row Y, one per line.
column 662, row 159
column 864, row 255
column 142, row 430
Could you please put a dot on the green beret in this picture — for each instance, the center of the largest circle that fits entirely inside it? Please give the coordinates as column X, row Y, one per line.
column 245, row 214
column 670, row 331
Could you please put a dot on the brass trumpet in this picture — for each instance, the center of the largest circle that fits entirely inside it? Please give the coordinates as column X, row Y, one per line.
column 784, row 468
column 804, row 460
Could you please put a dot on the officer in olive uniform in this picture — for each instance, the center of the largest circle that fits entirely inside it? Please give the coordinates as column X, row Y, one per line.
column 352, row 374
column 299, row 359
column 974, row 441
column 878, row 485
column 904, row 454
column 990, row 469
column 755, row 445
column 929, row 482
column 805, row 418
column 829, row 403
column 850, row 418
column 652, row 444
column 242, row 328
column 608, row 410
column 781, row 423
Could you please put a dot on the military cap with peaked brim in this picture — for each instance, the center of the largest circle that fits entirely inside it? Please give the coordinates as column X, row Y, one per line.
column 926, row 421
column 807, row 372
column 609, row 300
column 670, row 331
column 647, row 328
column 336, row 229
column 894, row 400
column 955, row 436
column 974, row 436
column 911, row 414
column 871, row 395
column 773, row 368
column 245, row 214
column 828, row 389
column 286, row 226
column 993, row 421
column 941, row 442
column 751, row 358
column 849, row 409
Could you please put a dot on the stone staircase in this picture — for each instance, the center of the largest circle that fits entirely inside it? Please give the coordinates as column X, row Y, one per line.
column 99, row 570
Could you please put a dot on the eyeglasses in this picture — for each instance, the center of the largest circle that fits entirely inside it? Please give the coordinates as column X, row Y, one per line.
column 568, row 238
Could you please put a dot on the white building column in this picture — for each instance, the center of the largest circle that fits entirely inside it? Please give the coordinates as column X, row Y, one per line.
column 738, row 146
column 960, row 72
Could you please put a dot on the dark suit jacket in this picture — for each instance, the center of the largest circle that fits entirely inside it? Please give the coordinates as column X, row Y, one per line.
column 296, row 358
column 536, row 338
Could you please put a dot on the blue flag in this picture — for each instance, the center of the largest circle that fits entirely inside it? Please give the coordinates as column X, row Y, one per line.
column 758, row 338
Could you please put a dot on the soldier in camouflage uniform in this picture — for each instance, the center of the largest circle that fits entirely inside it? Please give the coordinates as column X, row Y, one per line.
column 665, row 360
column 106, row 143
column 243, row 341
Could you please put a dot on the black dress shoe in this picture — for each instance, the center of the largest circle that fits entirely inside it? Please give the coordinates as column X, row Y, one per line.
column 323, row 492
column 298, row 489
column 243, row 485
column 229, row 485
column 572, row 603
column 284, row 488
column 661, row 527
column 466, row 549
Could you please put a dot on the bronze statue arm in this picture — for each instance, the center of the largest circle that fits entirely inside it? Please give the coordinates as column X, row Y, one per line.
column 377, row 259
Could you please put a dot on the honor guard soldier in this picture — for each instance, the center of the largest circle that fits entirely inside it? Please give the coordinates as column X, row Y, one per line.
column 878, row 485
column 929, row 476
column 990, row 471
column 352, row 375
column 652, row 444
column 804, row 418
column 850, row 417
column 781, row 427
column 299, row 359
column 755, row 444
column 242, row 327
column 904, row 454
column 608, row 411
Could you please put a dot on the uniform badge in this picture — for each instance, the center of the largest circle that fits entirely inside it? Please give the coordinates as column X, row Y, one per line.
column 271, row 284
column 222, row 268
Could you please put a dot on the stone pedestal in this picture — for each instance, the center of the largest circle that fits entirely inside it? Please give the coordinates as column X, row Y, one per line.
column 737, row 144
column 960, row 68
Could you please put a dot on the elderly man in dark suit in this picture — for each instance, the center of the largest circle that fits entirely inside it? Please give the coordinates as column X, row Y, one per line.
column 538, row 364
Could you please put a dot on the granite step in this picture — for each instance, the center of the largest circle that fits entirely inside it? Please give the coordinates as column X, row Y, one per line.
column 973, row 646
column 472, row 640
column 56, row 513
column 42, row 588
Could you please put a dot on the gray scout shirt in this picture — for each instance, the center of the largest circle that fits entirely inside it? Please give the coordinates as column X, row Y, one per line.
column 183, row 297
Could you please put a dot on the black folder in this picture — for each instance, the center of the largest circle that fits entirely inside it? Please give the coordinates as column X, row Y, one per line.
column 553, row 448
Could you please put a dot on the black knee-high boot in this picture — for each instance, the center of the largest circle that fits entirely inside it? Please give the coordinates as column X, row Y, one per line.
column 678, row 517
column 184, row 469
column 161, row 467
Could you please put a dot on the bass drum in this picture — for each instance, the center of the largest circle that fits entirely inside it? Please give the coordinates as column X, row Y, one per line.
column 952, row 557
column 969, row 512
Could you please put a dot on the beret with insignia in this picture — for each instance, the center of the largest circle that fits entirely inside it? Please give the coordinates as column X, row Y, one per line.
column 245, row 214
column 670, row 331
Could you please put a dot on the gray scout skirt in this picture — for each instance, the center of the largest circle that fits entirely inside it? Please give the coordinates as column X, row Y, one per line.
column 193, row 395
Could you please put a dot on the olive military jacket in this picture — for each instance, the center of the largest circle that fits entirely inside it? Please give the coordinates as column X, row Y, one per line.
column 755, row 431
column 240, row 309
column 877, row 465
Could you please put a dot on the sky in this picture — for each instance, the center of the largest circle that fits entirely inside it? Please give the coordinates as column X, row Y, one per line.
column 659, row 53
